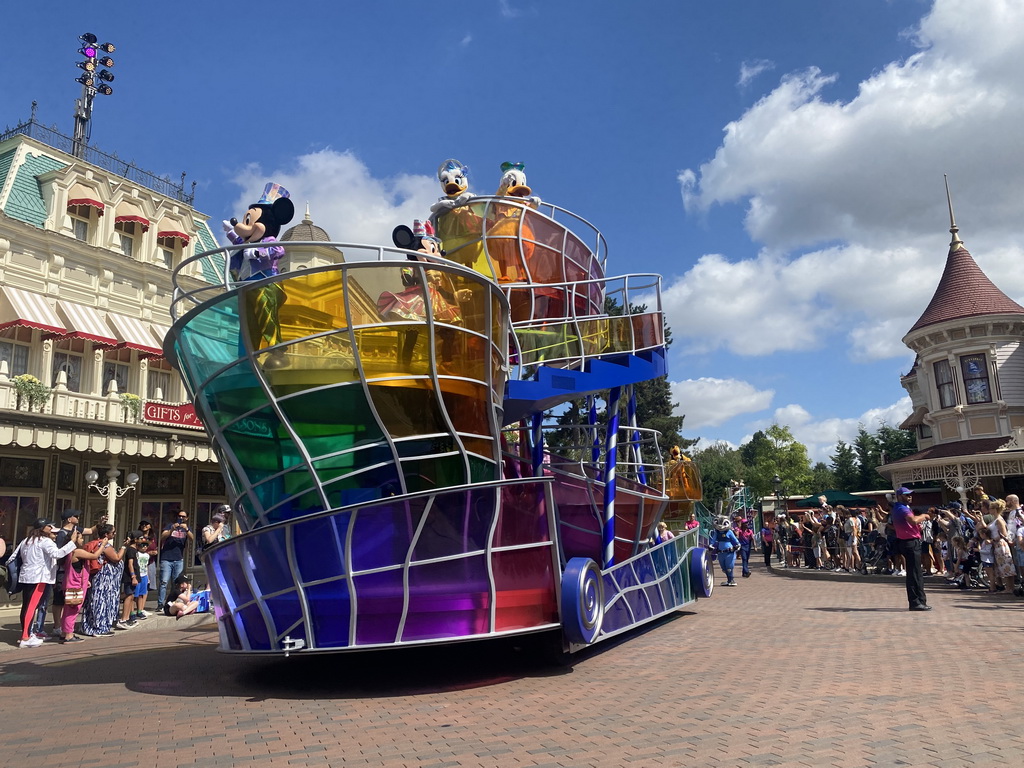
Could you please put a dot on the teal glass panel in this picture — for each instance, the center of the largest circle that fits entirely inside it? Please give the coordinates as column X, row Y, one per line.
column 211, row 339
column 377, row 483
column 232, row 392
column 332, row 467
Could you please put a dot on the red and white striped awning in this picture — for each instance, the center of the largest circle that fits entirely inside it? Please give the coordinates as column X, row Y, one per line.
column 127, row 211
column 133, row 333
column 80, row 195
column 85, row 323
column 174, row 235
column 32, row 310
column 160, row 332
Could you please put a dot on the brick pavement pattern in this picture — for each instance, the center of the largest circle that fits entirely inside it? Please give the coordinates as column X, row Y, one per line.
column 776, row 672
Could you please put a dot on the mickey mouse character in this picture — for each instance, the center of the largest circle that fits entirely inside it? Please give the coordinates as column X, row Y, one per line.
column 262, row 224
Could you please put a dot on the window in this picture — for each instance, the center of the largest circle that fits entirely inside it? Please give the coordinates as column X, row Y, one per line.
column 127, row 231
column 944, row 383
column 924, row 431
column 81, row 229
column 115, row 371
column 159, row 386
column 166, row 257
column 15, row 355
column 71, row 365
column 975, row 370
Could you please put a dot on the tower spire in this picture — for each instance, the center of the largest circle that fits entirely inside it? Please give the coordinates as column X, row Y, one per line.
column 954, row 230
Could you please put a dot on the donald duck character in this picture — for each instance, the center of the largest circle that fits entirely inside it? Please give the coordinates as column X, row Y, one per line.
column 725, row 544
column 513, row 183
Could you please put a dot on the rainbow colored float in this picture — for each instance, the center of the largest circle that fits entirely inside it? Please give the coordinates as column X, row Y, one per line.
column 392, row 477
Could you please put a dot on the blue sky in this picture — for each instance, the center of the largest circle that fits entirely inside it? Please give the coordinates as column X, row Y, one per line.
column 779, row 163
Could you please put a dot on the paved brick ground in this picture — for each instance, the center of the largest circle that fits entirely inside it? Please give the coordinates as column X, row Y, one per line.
column 778, row 671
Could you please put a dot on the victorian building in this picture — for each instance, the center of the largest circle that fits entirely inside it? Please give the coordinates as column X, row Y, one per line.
column 966, row 385
column 87, row 245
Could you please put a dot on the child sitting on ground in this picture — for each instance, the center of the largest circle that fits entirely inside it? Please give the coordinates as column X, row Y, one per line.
column 180, row 601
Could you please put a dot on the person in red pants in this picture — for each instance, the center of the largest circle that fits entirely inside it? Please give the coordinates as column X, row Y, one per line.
column 39, row 557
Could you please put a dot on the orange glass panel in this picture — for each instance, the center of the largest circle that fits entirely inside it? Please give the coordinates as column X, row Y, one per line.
column 682, row 481
column 407, row 408
column 460, row 354
column 504, row 233
column 647, row 329
column 467, row 406
column 480, row 446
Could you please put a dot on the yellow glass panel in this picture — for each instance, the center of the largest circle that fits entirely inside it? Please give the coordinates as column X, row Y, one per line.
column 394, row 350
column 461, row 233
column 480, row 446
column 594, row 335
column 407, row 408
column 620, row 334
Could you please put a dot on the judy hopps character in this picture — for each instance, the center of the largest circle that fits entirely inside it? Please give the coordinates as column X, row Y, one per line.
column 724, row 543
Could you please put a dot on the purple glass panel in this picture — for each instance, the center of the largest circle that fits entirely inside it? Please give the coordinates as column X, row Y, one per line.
column 329, row 613
column 616, row 616
column 449, row 599
column 456, row 523
column 318, row 547
column 255, row 628
column 383, row 533
column 285, row 610
column 229, row 572
column 645, row 571
column 523, row 516
column 379, row 601
column 268, row 561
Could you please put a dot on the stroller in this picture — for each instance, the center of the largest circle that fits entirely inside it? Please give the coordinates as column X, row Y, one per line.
column 876, row 557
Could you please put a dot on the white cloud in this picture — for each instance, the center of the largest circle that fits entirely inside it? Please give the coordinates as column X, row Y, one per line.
column 708, row 402
column 507, row 11
column 866, row 174
column 821, row 436
column 466, row 41
column 751, row 69
column 349, row 202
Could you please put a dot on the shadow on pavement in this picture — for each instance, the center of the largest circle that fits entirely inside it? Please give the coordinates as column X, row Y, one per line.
column 192, row 667
column 839, row 609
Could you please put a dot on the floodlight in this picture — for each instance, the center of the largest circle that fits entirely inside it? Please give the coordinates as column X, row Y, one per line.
column 105, row 75
column 106, row 90
column 88, row 66
column 106, row 61
column 88, row 38
column 107, row 48
column 85, row 80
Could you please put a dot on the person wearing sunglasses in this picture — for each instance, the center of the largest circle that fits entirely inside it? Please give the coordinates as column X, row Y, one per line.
column 173, row 540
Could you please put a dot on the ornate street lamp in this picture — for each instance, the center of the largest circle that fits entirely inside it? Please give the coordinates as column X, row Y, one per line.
column 111, row 491
column 780, row 495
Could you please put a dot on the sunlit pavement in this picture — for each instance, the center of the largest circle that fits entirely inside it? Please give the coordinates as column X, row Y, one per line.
column 777, row 671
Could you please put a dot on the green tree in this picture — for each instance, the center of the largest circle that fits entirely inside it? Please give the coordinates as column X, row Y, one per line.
column 865, row 445
column 822, row 478
column 844, row 467
column 719, row 465
column 777, row 452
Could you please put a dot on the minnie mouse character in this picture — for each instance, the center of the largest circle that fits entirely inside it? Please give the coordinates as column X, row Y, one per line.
column 411, row 304
column 262, row 224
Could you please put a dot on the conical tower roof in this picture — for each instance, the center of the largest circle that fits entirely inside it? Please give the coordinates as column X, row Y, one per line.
column 307, row 231
column 964, row 290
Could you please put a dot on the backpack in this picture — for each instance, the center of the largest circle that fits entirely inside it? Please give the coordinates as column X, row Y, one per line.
column 10, row 570
column 95, row 566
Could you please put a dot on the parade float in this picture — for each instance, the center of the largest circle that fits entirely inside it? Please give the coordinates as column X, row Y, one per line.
column 383, row 423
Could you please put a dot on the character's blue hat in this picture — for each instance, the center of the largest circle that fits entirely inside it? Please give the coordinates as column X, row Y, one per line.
column 272, row 192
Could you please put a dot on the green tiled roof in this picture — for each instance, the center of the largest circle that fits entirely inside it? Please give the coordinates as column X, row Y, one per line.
column 213, row 267
column 5, row 166
column 25, row 202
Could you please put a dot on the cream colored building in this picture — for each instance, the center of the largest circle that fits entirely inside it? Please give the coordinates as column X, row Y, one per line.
column 966, row 386
column 86, row 252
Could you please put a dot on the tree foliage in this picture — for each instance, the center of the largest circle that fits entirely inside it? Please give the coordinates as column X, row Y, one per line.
column 845, row 470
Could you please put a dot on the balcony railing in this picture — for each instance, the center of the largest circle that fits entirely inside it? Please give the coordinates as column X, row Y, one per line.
column 53, row 138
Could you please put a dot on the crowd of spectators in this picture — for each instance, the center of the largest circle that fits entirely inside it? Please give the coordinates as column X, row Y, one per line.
column 99, row 581
column 978, row 546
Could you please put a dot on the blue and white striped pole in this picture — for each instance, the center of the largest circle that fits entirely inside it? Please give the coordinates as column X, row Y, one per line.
column 538, row 443
column 595, row 449
column 635, row 445
column 611, row 440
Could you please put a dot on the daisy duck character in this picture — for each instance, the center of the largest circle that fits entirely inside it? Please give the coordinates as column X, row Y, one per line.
column 261, row 225
column 454, row 179
column 724, row 543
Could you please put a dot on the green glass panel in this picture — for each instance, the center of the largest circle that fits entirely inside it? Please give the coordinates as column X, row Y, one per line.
column 439, row 472
column 233, row 392
column 333, row 420
column 211, row 339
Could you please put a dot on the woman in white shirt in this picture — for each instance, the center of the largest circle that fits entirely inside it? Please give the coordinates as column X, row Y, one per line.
column 39, row 555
